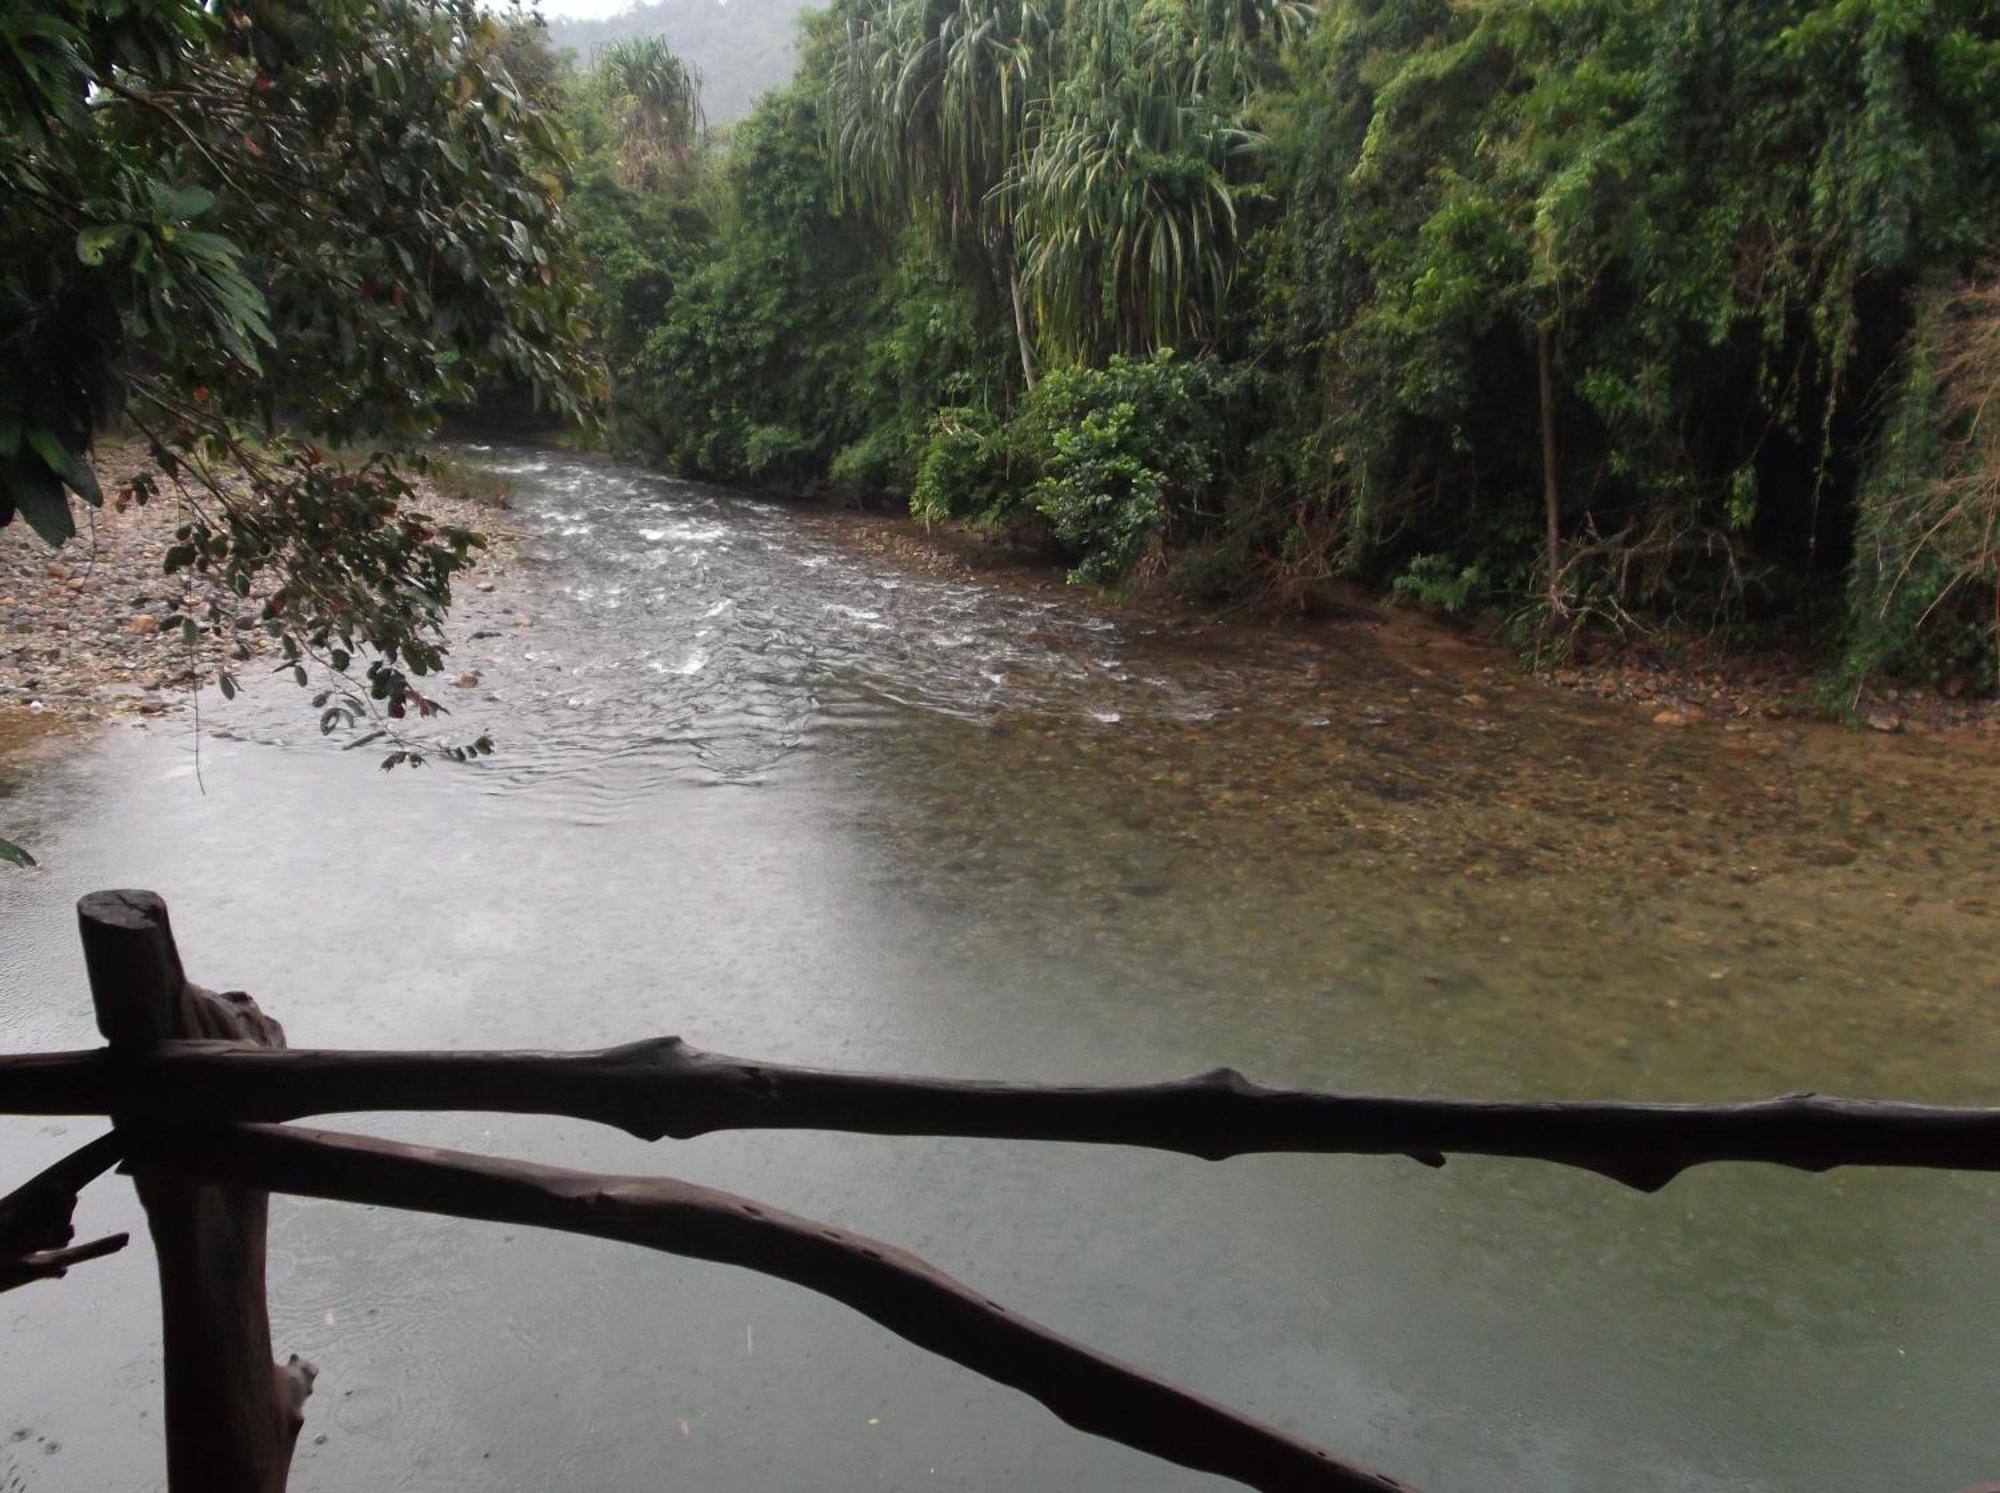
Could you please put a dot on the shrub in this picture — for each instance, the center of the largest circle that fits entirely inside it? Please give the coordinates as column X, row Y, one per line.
column 868, row 466
column 1924, row 589
column 1438, row 584
column 1129, row 457
column 776, row 451
column 963, row 470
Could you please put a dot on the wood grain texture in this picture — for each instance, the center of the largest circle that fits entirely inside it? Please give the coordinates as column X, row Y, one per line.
column 232, row 1416
column 667, row 1087
column 892, row 1287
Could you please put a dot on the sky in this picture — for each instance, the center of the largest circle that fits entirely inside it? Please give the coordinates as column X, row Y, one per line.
column 584, row 10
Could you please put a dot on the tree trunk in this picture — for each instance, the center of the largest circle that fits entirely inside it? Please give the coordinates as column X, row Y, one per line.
column 232, row 1416
column 1551, row 501
column 1020, row 318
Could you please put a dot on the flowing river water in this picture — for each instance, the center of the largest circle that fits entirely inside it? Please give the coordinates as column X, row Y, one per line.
column 792, row 801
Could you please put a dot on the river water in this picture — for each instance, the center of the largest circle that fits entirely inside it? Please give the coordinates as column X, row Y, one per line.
column 795, row 801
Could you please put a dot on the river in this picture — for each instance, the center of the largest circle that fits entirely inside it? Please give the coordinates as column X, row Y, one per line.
column 796, row 801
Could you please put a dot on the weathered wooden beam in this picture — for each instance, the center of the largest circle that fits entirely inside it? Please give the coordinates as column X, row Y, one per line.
column 38, row 1213
column 891, row 1286
column 232, row 1416
column 666, row 1087
column 37, row 1219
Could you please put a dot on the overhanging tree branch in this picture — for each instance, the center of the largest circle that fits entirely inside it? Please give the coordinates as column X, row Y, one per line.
column 666, row 1087
column 890, row 1286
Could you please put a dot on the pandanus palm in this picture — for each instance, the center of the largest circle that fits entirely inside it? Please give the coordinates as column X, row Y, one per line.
column 659, row 97
column 1128, row 205
column 929, row 103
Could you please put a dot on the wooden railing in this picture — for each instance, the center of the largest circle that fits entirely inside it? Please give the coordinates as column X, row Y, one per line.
column 195, row 1082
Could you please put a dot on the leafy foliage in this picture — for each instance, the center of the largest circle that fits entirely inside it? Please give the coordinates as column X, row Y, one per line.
column 1924, row 589
column 1129, row 199
column 732, row 380
column 1130, row 455
column 963, row 472
column 658, row 98
column 1717, row 212
column 1613, row 310
column 256, row 216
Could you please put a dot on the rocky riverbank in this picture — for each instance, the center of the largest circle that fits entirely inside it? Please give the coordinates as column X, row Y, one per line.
column 81, row 627
column 81, row 634
column 1676, row 680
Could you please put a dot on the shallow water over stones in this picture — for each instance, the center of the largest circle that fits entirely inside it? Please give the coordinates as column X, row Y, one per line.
column 796, row 802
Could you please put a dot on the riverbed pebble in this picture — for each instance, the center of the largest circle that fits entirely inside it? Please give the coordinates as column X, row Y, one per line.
column 82, row 632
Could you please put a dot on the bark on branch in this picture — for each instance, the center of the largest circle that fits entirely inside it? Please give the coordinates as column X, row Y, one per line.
column 37, row 1218
column 666, row 1087
column 232, row 1416
column 53, row 1264
column 903, row 1293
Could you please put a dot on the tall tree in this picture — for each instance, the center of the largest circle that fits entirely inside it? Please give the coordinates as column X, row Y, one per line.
column 228, row 218
column 658, row 97
column 928, row 103
column 1128, row 202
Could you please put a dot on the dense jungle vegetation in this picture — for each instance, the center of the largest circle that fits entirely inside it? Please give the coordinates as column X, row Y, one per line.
column 1577, row 312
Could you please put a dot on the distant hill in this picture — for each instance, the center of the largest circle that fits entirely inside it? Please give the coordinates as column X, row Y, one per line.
column 743, row 47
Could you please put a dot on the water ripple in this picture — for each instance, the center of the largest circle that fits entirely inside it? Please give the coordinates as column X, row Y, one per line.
column 686, row 634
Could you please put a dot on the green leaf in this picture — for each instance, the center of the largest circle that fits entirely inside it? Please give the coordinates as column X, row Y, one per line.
column 45, row 445
column 38, row 495
column 184, row 203
column 93, row 243
column 79, row 476
column 66, row 465
column 13, row 855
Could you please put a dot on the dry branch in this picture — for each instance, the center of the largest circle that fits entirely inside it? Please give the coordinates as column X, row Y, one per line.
column 36, row 1215
column 53, row 1264
column 903, row 1293
column 37, row 1218
column 667, row 1087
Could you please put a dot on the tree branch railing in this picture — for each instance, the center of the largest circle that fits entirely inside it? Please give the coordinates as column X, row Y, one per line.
column 891, row 1286
column 666, row 1087
column 35, row 1227
column 194, row 1081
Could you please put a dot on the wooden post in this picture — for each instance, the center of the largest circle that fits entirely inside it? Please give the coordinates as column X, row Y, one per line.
column 232, row 1416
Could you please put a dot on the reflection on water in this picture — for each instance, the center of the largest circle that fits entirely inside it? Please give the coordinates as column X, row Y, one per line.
column 794, row 802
